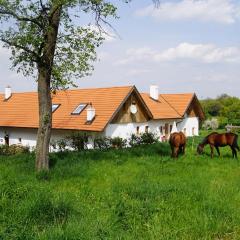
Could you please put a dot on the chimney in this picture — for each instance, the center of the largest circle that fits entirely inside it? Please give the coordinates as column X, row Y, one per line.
column 91, row 112
column 8, row 92
column 154, row 92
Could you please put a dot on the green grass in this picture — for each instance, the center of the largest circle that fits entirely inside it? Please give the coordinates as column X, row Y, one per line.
column 139, row 193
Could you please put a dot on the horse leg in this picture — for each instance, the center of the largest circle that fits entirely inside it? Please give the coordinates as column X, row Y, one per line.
column 217, row 148
column 176, row 149
column 183, row 148
column 234, row 152
column 172, row 148
column 212, row 147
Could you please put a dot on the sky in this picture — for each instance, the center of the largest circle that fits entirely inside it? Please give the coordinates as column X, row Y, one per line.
column 181, row 46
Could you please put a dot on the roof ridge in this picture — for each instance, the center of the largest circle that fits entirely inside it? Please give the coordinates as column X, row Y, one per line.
column 77, row 89
column 171, row 106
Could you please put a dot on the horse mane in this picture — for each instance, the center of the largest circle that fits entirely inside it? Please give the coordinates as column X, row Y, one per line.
column 204, row 141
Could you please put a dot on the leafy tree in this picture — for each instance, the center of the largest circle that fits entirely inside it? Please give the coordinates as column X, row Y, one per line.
column 225, row 108
column 47, row 42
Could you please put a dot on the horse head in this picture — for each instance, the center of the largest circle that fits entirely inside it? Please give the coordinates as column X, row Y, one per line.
column 200, row 148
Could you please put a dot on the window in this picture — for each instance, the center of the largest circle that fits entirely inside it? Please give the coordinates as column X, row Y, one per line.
column 161, row 130
column 55, row 107
column 146, row 129
column 137, row 130
column 170, row 128
column 185, row 131
column 193, row 131
column 19, row 140
column 79, row 108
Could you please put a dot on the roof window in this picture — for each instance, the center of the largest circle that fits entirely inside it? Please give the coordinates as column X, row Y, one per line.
column 79, row 108
column 55, row 107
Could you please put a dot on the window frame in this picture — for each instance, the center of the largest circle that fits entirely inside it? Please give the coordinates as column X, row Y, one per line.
column 78, row 113
column 56, row 104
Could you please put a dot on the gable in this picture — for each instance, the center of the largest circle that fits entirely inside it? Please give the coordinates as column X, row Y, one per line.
column 125, row 115
column 195, row 109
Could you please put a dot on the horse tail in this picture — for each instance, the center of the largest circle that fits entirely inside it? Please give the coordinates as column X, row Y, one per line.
column 235, row 142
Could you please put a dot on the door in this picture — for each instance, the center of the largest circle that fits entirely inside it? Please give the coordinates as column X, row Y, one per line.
column 6, row 138
column 166, row 130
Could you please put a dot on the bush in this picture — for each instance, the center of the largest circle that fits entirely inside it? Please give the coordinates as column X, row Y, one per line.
column 211, row 124
column 148, row 138
column 144, row 138
column 134, row 140
column 78, row 141
column 62, row 144
column 13, row 149
column 102, row 143
column 118, row 142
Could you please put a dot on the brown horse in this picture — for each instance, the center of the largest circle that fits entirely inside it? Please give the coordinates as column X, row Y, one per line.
column 216, row 140
column 177, row 142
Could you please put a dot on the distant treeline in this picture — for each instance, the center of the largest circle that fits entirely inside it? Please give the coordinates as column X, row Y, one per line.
column 225, row 108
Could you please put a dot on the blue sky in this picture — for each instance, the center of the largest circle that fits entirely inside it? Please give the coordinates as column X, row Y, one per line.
column 182, row 46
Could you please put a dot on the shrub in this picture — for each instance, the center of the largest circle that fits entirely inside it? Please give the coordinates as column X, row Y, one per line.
column 102, row 143
column 78, row 141
column 4, row 150
column 118, row 142
column 62, row 144
column 148, row 138
column 13, row 149
column 211, row 124
column 134, row 140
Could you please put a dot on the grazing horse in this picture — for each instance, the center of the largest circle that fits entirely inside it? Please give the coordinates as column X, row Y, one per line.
column 216, row 140
column 177, row 142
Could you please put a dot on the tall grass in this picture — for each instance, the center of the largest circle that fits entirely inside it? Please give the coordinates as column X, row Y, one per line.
column 138, row 193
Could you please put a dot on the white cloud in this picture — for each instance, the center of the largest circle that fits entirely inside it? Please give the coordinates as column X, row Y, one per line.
column 206, row 53
column 220, row 11
column 107, row 34
column 137, row 72
column 136, row 54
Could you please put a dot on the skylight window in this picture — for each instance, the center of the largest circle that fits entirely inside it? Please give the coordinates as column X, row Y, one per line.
column 55, row 107
column 79, row 108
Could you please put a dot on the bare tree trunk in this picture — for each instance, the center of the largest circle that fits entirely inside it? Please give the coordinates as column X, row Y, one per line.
column 45, row 121
column 44, row 91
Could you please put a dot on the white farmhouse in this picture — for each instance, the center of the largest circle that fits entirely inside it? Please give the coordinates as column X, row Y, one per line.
column 112, row 112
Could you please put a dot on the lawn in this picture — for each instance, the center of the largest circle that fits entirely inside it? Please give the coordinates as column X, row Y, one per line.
column 138, row 193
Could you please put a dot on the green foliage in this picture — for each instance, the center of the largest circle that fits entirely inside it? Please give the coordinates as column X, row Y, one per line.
column 148, row 138
column 75, row 43
column 13, row 149
column 78, row 141
column 134, row 140
column 102, row 143
column 118, row 142
column 225, row 108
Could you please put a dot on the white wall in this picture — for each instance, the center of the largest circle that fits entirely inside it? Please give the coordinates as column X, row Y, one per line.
column 189, row 123
column 29, row 136
column 125, row 130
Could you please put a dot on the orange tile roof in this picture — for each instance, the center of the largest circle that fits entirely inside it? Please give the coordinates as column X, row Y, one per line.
column 168, row 105
column 180, row 102
column 21, row 110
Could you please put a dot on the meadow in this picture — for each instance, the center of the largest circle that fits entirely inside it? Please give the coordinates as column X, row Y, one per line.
column 138, row 193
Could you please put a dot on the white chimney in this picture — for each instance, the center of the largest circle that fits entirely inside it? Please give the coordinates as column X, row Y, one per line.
column 154, row 92
column 91, row 112
column 8, row 92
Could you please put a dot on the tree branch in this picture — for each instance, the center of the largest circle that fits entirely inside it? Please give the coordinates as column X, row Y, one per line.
column 20, row 18
column 37, row 57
